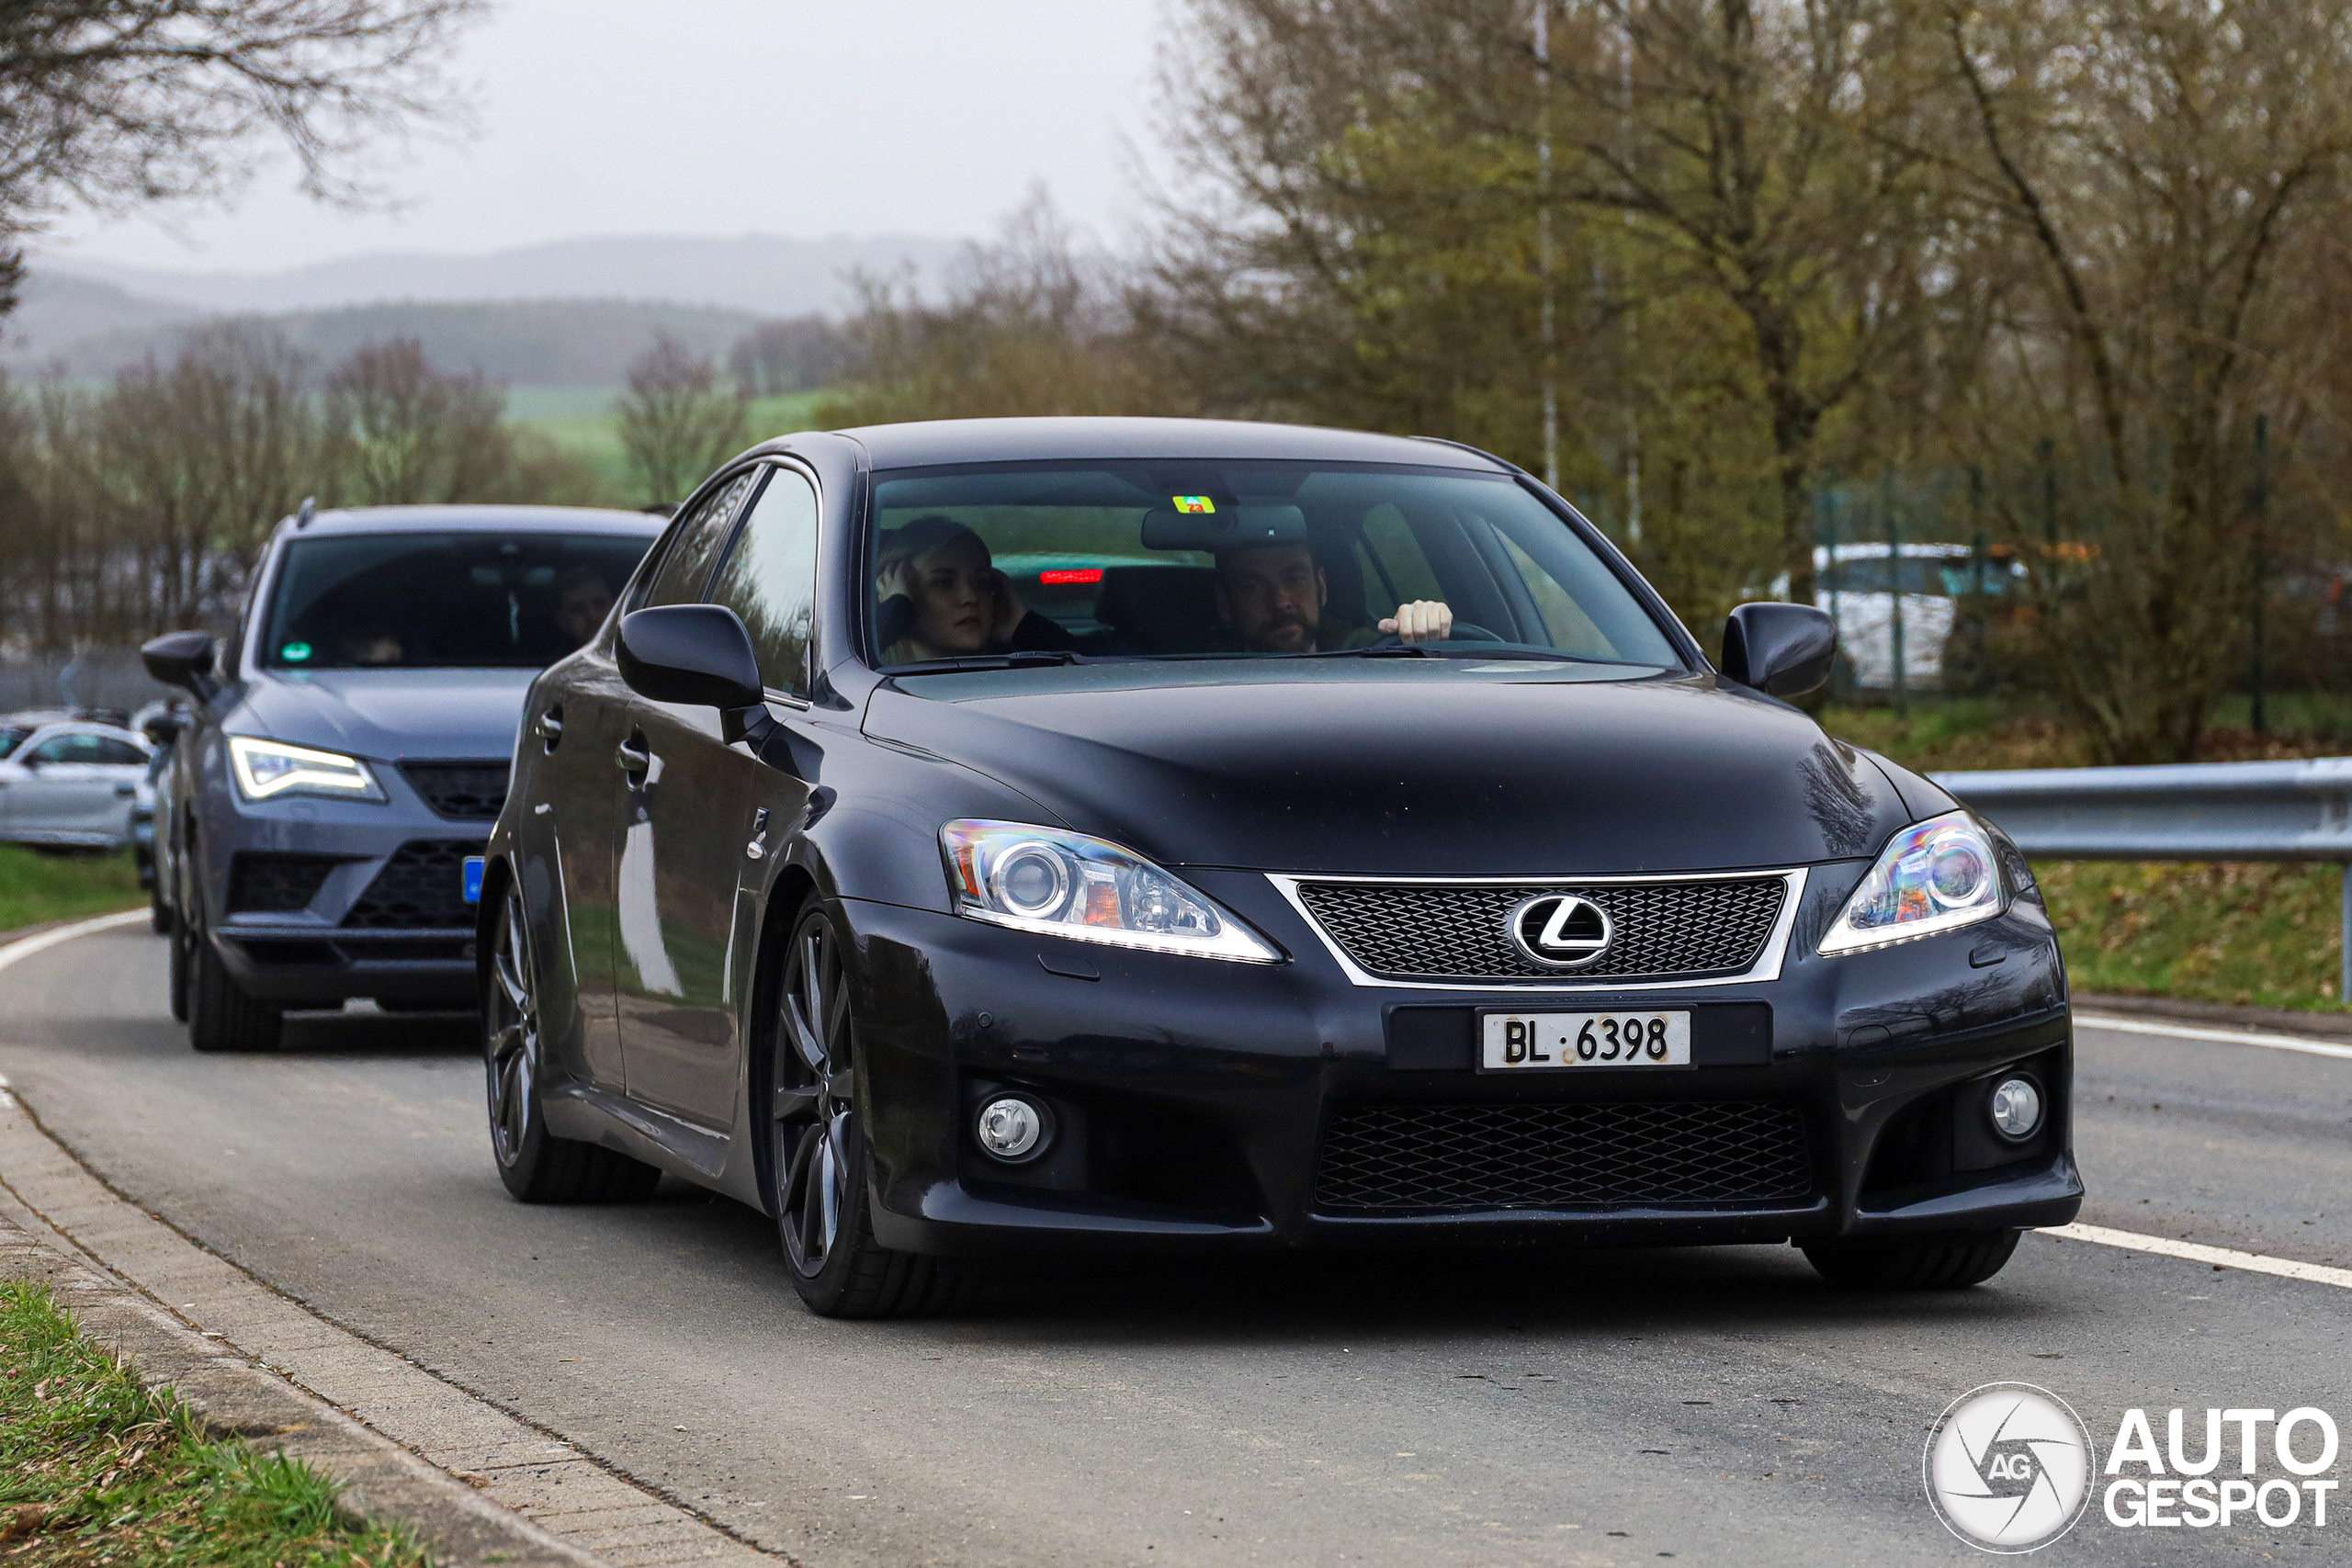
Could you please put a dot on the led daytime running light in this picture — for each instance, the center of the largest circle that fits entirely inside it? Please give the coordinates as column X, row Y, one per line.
column 267, row 769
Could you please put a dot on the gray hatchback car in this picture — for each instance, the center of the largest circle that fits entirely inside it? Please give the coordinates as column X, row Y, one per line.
column 350, row 747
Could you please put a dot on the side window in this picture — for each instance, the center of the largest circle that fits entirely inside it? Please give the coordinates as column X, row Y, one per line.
column 680, row 577
column 75, row 748
column 119, row 753
column 769, row 578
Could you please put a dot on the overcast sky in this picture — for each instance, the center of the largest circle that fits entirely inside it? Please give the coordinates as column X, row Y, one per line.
column 803, row 118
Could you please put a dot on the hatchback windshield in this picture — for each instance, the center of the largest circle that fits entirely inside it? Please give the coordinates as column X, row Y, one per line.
column 1238, row 559
column 481, row 599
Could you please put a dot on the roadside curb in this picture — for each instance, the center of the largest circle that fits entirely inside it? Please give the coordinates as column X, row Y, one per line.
column 2220, row 1015
column 236, row 1398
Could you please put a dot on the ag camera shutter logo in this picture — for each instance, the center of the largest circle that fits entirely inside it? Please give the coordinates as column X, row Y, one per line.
column 2008, row 1467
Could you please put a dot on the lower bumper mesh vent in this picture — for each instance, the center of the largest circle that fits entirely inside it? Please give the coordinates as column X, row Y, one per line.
column 1425, row 1157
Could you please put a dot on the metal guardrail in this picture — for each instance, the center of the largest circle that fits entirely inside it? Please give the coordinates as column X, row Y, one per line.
column 2265, row 811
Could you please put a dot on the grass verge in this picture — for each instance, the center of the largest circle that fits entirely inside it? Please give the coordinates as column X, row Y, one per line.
column 2248, row 934
column 36, row 888
column 95, row 1469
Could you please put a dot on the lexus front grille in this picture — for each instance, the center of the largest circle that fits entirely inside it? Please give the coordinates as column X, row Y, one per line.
column 1682, row 929
column 1419, row 1158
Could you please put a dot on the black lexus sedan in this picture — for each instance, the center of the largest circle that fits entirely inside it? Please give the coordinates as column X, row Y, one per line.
column 320, row 833
column 1005, row 835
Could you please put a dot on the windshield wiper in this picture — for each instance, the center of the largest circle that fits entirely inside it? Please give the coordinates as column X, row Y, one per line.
column 1020, row 658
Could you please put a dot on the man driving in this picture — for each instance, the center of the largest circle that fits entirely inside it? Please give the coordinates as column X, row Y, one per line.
column 1273, row 597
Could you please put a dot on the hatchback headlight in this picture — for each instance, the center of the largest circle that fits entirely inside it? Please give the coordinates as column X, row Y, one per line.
column 267, row 769
column 1934, row 877
column 1059, row 884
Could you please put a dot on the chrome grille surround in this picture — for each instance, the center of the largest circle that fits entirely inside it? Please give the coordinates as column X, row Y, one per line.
column 1482, row 958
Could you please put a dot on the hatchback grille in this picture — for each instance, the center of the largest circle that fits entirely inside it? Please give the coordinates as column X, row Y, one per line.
column 463, row 792
column 261, row 883
column 1421, row 1157
column 1461, row 930
column 421, row 887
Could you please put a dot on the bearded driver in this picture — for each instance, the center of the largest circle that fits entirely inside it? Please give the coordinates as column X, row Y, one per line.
column 1273, row 596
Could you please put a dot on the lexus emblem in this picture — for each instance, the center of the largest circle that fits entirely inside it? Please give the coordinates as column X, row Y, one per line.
column 1561, row 931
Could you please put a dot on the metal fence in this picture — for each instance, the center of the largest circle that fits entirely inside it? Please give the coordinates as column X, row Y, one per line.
column 2265, row 811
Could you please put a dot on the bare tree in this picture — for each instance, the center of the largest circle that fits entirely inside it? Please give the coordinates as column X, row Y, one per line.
column 110, row 104
column 406, row 433
column 677, row 421
column 2155, row 178
column 790, row 353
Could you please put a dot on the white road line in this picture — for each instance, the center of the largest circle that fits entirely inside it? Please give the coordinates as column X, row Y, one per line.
column 2107, row 1020
column 2227, row 1257
column 25, row 947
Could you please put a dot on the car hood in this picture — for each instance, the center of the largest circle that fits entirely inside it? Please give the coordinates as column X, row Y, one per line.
column 1407, row 767
column 388, row 714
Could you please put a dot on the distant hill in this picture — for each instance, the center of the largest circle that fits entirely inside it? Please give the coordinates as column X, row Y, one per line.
column 531, row 342
column 58, row 310
column 766, row 274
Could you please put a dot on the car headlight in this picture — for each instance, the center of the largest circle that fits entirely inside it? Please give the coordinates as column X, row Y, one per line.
column 1059, row 884
column 267, row 769
column 1934, row 877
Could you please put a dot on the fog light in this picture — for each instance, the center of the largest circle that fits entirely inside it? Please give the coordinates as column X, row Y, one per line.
column 1014, row 1129
column 2016, row 1108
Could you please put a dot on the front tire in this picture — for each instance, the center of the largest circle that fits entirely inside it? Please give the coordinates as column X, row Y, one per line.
column 822, row 1190
column 222, row 1015
column 182, row 937
column 537, row 1166
column 1924, row 1263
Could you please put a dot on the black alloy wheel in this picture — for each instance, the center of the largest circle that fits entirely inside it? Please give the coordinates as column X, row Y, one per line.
column 821, row 1165
column 1922, row 1263
column 537, row 1166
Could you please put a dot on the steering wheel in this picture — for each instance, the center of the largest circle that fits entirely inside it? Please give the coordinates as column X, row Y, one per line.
column 1461, row 631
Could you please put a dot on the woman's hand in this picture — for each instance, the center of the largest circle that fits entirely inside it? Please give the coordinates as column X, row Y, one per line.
column 1423, row 620
column 896, row 579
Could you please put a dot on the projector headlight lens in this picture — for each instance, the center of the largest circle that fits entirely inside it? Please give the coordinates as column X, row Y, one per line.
column 1933, row 877
column 1062, row 883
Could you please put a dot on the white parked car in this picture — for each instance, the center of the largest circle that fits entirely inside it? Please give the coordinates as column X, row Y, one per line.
column 1857, row 585
column 68, row 781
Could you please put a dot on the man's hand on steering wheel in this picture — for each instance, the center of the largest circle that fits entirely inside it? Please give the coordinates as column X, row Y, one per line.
column 1423, row 620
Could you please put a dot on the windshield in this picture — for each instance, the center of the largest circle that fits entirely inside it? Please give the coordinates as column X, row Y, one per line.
column 1238, row 559
column 439, row 601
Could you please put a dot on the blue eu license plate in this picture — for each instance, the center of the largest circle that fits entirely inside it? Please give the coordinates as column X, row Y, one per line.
column 473, row 879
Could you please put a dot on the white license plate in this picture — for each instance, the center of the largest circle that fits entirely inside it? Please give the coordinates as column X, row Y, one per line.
column 1523, row 1042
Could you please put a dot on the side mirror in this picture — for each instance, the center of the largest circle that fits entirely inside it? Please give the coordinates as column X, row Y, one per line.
column 696, row 654
column 182, row 660
column 1781, row 651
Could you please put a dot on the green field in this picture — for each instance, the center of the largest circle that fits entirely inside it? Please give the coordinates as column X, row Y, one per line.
column 36, row 888
column 586, row 421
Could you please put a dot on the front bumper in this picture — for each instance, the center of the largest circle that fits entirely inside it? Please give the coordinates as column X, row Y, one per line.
column 1199, row 1103
column 312, row 902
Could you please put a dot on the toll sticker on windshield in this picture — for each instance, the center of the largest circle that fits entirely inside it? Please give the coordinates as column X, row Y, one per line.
column 295, row 652
column 1192, row 503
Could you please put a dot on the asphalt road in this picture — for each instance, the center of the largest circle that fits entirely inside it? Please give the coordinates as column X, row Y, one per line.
column 1609, row 1407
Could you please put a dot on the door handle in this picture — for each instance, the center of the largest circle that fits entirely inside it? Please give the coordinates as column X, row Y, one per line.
column 548, row 726
column 632, row 756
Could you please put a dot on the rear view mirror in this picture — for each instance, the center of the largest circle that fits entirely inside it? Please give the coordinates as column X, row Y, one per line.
column 1230, row 527
column 182, row 660
column 1782, row 650
column 699, row 655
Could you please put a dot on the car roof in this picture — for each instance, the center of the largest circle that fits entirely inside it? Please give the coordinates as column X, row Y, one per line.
column 942, row 441
column 503, row 519
column 85, row 726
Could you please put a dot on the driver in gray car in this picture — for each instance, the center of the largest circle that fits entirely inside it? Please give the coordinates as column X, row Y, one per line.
column 1273, row 597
